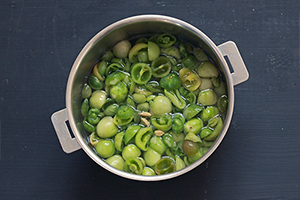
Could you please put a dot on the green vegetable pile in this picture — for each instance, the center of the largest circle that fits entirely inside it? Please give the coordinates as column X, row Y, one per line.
column 154, row 106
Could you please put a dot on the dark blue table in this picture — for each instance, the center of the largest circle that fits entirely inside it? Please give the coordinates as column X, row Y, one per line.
column 260, row 155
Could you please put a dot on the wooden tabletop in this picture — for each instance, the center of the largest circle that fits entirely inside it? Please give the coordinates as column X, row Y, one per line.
column 259, row 157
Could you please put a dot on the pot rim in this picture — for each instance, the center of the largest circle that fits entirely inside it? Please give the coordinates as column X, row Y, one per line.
column 107, row 30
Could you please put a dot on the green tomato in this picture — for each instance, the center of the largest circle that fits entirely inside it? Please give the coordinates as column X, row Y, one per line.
column 118, row 141
column 105, row 148
column 94, row 139
column 94, row 82
column 222, row 103
column 207, row 97
column 189, row 79
column 131, row 151
column 153, row 50
column 85, row 107
column 190, row 148
column 121, row 49
column 208, row 113
column 176, row 98
column 115, row 77
column 178, row 123
column 143, row 107
column 97, row 99
column 116, row 161
column 94, row 116
column 106, row 127
column 157, row 144
column 147, row 171
column 170, row 82
column 200, row 54
column 206, row 132
column 107, row 56
column 134, row 166
column 207, row 70
column 133, row 52
column 141, row 73
column 124, row 112
column 88, row 126
column 179, row 163
column 189, row 62
column 191, row 111
column 139, row 98
column 142, row 138
column 206, row 84
column 111, row 109
column 161, row 66
column 163, row 122
column 193, row 125
column 151, row 157
column 165, row 40
column 217, row 124
column 169, row 141
column 171, row 51
column 86, row 91
column 119, row 92
column 165, row 165
column 153, row 86
column 130, row 132
column 160, row 106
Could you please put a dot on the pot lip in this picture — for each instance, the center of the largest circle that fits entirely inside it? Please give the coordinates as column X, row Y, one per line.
column 116, row 25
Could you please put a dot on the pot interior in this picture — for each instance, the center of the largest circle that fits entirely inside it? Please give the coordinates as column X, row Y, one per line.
column 129, row 28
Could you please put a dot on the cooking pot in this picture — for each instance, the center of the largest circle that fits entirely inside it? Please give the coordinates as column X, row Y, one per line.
column 140, row 25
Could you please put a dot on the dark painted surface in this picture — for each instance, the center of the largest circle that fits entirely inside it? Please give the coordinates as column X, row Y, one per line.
column 259, row 157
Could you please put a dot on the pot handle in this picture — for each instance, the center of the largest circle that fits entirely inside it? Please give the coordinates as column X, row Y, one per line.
column 240, row 73
column 67, row 143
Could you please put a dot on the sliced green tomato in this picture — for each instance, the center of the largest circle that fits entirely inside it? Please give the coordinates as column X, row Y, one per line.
column 147, row 171
column 124, row 112
column 94, row 82
column 151, row 157
column 153, row 86
column 165, row 165
column 191, row 111
column 106, row 128
column 163, row 122
column 96, row 70
column 207, row 70
column 153, row 51
column 217, row 130
column 86, row 91
column 166, row 40
column 170, row 82
column 119, row 92
column 189, row 79
column 132, row 55
column 97, row 99
column 142, row 138
column 141, row 73
column 179, row 163
column 206, row 132
column 178, row 123
column 130, row 133
column 161, row 66
column 116, row 161
column 94, row 139
column 115, row 77
column 157, row 144
column 118, row 141
column 207, row 97
column 134, row 166
column 192, row 137
column 175, row 98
